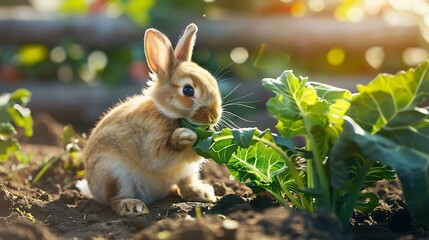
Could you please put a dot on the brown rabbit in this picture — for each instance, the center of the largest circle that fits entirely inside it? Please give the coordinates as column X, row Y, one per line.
column 138, row 153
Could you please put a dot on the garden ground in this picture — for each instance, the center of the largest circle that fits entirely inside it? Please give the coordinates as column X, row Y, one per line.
column 53, row 208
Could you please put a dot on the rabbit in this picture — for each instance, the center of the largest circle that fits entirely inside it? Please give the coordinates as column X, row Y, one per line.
column 138, row 153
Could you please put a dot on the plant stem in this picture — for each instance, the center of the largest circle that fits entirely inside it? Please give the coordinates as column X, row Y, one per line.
column 290, row 196
column 318, row 163
column 310, row 180
column 45, row 168
column 345, row 213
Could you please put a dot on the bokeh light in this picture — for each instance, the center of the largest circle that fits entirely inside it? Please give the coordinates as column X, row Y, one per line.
column 298, row 9
column 88, row 74
column 45, row 5
column 316, row 5
column 413, row 56
column 336, row 56
column 75, row 52
column 65, row 73
column 239, row 55
column 58, row 55
column 32, row 54
column 97, row 60
column 113, row 10
column 355, row 14
column 375, row 56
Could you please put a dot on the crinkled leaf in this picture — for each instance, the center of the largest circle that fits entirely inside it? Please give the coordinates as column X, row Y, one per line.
column 410, row 162
column 257, row 163
column 378, row 172
column 388, row 95
column 247, row 158
column 409, row 128
column 303, row 107
column 367, row 202
column 294, row 100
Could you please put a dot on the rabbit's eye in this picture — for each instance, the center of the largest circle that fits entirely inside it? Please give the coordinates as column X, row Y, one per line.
column 188, row 91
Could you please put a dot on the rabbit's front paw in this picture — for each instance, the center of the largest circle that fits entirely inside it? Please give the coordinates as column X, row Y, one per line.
column 130, row 207
column 183, row 138
column 200, row 192
column 191, row 188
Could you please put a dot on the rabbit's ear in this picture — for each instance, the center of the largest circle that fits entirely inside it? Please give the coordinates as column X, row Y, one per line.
column 158, row 50
column 184, row 47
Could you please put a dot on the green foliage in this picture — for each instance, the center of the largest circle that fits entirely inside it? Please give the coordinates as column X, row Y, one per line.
column 388, row 122
column 13, row 112
column 352, row 142
column 136, row 10
column 73, row 144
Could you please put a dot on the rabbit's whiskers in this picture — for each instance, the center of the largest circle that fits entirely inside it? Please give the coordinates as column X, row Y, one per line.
column 228, row 117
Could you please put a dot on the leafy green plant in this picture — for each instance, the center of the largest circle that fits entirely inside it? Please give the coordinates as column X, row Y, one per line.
column 73, row 144
column 13, row 111
column 352, row 141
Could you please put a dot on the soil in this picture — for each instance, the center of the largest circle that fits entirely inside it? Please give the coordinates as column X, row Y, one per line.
column 53, row 208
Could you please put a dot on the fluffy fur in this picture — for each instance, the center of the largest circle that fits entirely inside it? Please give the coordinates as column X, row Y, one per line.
column 138, row 153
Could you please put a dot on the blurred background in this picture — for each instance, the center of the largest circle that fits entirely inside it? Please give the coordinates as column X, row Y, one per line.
column 79, row 57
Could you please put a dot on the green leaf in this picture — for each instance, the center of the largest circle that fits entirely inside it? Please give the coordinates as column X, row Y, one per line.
column 367, row 202
column 388, row 95
column 4, row 102
column 8, row 147
column 257, row 162
column 243, row 136
column 410, row 162
column 295, row 99
column 200, row 130
column 389, row 126
column 7, row 129
column 21, row 116
column 307, row 107
column 220, row 146
column 21, row 96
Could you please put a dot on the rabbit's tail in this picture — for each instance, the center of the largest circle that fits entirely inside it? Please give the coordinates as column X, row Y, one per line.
column 83, row 186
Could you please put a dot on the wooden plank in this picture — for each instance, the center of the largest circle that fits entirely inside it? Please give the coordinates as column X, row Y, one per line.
column 292, row 34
